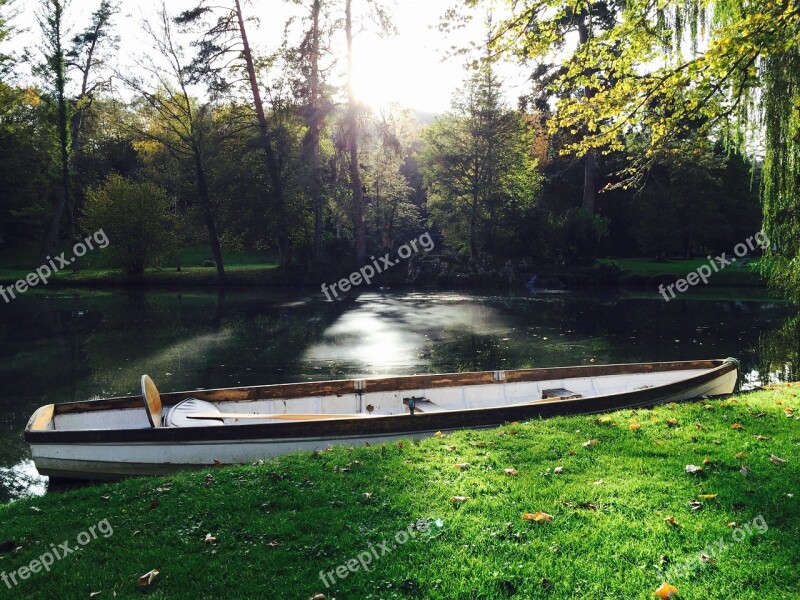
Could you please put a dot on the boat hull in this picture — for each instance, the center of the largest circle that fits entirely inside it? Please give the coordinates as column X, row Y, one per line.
column 112, row 454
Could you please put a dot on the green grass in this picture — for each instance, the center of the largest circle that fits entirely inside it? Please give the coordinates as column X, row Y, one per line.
column 278, row 524
column 640, row 270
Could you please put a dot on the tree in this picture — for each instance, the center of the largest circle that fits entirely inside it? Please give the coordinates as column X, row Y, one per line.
column 743, row 87
column 54, row 71
column 136, row 216
column 478, row 167
column 544, row 31
column 179, row 122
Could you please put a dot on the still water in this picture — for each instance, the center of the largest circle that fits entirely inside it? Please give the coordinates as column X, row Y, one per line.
column 73, row 345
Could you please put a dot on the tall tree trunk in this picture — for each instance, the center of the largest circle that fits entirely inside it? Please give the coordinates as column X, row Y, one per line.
column 314, row 132
column 208, row 213
column 359, row 227
column 273, row 171
column 65, row 193
column 590, row 164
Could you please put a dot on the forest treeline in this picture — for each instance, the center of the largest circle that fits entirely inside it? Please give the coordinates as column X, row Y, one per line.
column 206, row 142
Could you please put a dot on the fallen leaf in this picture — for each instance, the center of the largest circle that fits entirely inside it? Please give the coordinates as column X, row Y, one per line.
column 708, row 407
column 590, row 443
column 438, row 434
column 154, row 504
column 94, row 594
column 558, row 470
column 708, row 496
column 571, row 452
column 762, row 438
column 273, row 543
column 745, row 470
column 654, row 419
column 210, row 539
column 706, row 461
column 478, row 444
column 368, row 495
column 511, row 472
column 450, row 448
column 599, row 482
column 776, row 460
column 740, row 455
column 695, row 505
column 694, row 469
column 737, row 426
column 733, row 524
column 634, row 425
column 670, row 520
column 318, row 597
column 105, row 498
column 672, row 422
column 705, row 558
column 461, row 466
column 459, row 499
column 666, row 591
column 146, row 579
column 217, row 464
column 539, row 517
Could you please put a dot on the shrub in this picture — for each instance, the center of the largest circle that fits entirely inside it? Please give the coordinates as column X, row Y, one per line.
column 136, row 218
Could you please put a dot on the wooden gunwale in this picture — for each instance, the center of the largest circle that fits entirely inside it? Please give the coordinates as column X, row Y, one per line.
column 390, row 424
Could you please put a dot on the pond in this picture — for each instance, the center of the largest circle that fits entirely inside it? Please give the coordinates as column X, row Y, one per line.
column 74, row 345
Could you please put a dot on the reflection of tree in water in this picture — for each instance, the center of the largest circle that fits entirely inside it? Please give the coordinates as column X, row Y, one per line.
column 779, row 351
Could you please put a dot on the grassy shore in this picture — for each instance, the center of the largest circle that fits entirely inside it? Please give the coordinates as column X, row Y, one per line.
column 643, row 271
column 620, row 509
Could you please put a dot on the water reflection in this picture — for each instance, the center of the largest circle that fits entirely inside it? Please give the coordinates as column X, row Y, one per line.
column 65, row 346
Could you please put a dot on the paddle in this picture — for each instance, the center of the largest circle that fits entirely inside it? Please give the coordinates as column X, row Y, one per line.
column 320, row 417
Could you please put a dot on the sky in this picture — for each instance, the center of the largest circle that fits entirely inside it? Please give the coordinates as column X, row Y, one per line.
column 409, row 68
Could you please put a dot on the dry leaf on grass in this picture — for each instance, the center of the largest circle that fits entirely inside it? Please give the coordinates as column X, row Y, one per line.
column 740, row 455
column 590, row 443
column 695, row 505
column 148, row 578
column 459, row 499
column 438, row 434
column 461, row 466
column 705, row 558
column 672, row 422
column 94, row 594
column 708, row 496
column 539, row 517
column 670, row 520
column 558, row 470
column 694, row 469
column 776, row 460
column 634, row 425
column 737, row 426
column 666, row 591
column 210, row 539
column 762, row 438
column 511, row 472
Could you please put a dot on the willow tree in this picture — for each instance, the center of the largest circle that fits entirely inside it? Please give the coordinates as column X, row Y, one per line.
column 729, row 69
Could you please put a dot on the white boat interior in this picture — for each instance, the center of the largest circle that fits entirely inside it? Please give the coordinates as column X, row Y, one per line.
column 368, row 404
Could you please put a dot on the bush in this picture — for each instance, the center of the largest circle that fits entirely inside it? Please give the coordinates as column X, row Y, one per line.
column 137, row 220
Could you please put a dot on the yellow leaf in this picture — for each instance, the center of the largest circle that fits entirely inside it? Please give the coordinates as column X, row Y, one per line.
column 740, row 455
column 737, row 426
column 654, row 419
column 438, row 434
column 670, row 520
column 539, row 517
column 634, row 425
column 708, row 496
column 666, row 591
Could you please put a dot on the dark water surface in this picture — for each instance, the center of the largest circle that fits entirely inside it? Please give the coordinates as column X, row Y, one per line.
column 66, row 346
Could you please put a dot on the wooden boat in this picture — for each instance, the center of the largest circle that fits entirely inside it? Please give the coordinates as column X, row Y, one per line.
column 160, row 433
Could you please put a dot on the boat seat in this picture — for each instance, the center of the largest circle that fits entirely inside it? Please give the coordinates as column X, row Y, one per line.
column 562, row 393
column 177, row 415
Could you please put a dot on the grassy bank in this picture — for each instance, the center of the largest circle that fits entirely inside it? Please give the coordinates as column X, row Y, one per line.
column 643, row 271
column 266, row 531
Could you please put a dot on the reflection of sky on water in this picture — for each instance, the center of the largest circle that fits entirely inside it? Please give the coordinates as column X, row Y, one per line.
column 393, row 333
column 21, row 480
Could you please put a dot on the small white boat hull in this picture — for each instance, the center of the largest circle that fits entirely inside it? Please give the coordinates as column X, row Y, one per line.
column 62, row 450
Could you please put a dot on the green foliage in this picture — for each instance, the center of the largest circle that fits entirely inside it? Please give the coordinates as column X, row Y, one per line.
column 135, row 217
column 478, row 167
